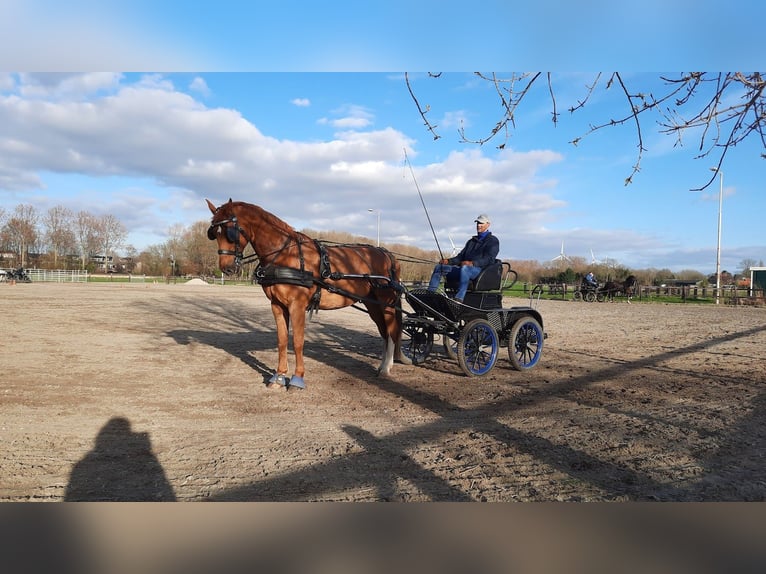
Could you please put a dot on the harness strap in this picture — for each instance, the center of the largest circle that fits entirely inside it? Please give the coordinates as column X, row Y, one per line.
column 270, row 274
column 324, row 272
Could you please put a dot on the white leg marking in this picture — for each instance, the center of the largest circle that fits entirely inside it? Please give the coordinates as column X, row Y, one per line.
column 388, row 357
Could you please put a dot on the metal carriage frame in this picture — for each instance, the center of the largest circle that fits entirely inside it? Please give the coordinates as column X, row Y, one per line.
column 474, row 332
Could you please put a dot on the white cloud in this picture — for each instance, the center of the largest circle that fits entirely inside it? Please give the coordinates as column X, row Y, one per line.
column 351, row 122
column 66, row 85
column 301, row 102
column 350, row 117
column 200, row 86
column 150, row 132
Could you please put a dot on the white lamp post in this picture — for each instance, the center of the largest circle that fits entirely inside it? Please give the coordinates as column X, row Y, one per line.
column 718, row 250
column 378, row 212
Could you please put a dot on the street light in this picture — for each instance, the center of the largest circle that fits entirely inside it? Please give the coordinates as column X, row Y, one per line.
column 718, row 251
column 378, row 212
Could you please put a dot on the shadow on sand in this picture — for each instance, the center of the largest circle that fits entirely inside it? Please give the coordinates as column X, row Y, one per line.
column 120, row 467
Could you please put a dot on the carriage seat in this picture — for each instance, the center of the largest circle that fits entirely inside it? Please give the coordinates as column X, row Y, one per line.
column 489, row 279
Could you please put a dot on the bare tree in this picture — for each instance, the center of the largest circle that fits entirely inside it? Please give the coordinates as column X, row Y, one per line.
column 747, row 263
column 112, row 235
column 201, row 253
column 724, row 108
column 175, row 247
column 131, row 256
column 58, row 231
column 19, row 233
column 86, row 229
column 155, row 259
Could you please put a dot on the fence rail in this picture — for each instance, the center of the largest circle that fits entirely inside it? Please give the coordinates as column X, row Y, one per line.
column 728, row 294
column 56, row 275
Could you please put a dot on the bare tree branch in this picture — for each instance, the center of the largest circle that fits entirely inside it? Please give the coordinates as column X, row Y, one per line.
column 721, row 109
column 431, row 128
column 510, row 99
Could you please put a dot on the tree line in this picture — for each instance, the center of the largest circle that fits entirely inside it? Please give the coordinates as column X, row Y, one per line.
column 62, row 239
column 57, row 238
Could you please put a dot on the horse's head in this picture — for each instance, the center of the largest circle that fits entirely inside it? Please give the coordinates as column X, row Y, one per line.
column 231, row 238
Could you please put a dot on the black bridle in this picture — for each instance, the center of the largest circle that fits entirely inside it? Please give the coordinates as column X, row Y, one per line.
column 232, row 233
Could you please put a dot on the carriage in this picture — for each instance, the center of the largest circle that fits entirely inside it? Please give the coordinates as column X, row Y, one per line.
column 19, row 275
column 586, row 292
column 607, row 292
column 301, row 275
column 612, row 289
column 474, row 331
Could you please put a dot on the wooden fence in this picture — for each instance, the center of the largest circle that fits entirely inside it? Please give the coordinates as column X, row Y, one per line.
column 729, row 295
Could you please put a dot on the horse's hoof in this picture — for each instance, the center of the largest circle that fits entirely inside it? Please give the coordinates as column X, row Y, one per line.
column 297, row 382
column 404, row 360
column 277, row 380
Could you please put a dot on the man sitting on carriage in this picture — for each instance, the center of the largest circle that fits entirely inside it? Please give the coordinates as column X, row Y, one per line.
column 589, row 281
column 480, row 250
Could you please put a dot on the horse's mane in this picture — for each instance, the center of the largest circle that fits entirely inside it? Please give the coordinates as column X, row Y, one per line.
column 271, row 219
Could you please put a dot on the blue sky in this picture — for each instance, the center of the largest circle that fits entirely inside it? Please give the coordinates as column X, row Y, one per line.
column 320, row 148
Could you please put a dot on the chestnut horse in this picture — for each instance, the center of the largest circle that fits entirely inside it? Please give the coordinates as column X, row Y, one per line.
column 300, row 274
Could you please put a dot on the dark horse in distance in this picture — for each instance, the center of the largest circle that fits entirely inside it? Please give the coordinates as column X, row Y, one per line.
column 300, row 274
column 612, row 288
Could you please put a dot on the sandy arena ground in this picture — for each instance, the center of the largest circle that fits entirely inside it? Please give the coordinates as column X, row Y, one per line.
column 156, row 392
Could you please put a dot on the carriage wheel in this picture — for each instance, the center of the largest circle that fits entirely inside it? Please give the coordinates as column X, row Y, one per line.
column 417, row 342
column 525, row 345
column 577, row 295
column 477, row 348
column 600, row 297
column 590, row 296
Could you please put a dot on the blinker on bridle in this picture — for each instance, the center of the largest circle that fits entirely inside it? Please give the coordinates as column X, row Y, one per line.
column 232, row 236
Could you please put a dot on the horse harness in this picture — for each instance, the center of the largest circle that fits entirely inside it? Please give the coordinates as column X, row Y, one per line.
column 269, row 274
column 232, row 235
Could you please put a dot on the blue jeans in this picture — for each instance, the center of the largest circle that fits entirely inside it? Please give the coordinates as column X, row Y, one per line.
column 465, row 273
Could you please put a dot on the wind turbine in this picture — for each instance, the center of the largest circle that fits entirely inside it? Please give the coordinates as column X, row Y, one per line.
column 561, row 256
column 455, row 250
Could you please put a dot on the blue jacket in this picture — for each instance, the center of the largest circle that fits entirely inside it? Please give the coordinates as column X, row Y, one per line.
column 480, row 252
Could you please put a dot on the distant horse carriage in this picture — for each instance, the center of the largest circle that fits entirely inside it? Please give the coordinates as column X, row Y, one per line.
column 586, row 291
column 19, row 275
column 608, row 291
column 612, row 289
column 300, row 274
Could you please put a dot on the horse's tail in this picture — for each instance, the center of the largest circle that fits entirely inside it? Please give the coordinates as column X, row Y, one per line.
column 396, row 284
